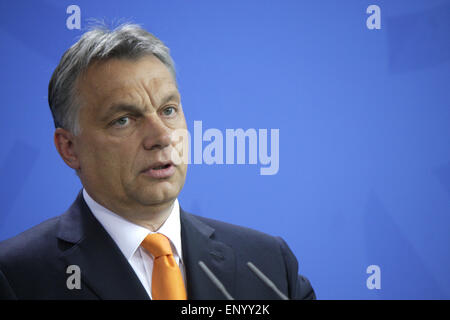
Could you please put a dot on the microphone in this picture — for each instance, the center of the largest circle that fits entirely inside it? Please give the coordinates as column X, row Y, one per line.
column 266, row 281
column 214, row 280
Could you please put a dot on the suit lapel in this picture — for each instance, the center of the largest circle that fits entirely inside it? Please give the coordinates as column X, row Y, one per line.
column 198, row 244
column 103, row 267
column 108, row 274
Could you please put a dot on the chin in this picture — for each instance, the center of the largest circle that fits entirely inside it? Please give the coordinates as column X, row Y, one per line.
column 162, row 194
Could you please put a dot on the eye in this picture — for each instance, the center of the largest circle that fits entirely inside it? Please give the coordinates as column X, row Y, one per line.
column 122, row 122
column 169, row 111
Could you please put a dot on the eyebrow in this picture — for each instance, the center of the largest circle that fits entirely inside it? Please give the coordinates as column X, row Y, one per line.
column 121, row 107
column 125, row 107
column 171, row 97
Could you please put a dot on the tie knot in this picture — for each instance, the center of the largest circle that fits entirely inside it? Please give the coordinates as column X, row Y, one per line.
column 157, row 244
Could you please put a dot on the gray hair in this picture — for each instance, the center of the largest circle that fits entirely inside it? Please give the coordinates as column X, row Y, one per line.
column 128, row 41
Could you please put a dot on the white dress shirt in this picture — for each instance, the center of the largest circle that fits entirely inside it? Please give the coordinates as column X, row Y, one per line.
column 129, row 236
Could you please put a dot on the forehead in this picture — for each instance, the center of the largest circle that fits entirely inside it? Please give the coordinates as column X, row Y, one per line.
column 106, row 82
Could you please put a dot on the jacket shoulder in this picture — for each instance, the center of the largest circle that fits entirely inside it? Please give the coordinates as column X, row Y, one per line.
column 232, row 229
column 270, row 253
column 244, row 240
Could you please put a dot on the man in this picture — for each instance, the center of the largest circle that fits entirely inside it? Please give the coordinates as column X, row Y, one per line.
column 118, row 115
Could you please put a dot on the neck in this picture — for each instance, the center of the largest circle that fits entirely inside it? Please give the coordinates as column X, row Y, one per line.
column 152, row 221
column 151, row 218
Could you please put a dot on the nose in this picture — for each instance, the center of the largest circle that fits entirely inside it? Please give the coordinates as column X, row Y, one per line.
column 157, row 134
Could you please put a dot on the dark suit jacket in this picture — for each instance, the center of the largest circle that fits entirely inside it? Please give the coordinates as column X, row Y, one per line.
column 33, row 264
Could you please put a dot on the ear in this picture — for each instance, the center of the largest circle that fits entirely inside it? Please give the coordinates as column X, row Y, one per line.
column 65, row 144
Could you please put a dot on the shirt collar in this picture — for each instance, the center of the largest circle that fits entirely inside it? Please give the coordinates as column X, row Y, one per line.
column 127, row 235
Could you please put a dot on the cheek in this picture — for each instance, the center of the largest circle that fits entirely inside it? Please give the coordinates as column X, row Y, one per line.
column 106, row 158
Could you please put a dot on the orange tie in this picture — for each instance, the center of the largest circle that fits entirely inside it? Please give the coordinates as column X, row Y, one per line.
column 167, row 281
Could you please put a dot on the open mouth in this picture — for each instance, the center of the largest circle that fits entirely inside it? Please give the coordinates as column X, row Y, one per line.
column 161, row 171
column 162, row 167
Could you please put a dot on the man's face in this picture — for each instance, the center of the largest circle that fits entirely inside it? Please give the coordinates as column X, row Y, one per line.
column 129, row 110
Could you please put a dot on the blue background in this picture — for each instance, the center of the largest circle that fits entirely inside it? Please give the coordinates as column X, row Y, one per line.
column 363, row 115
